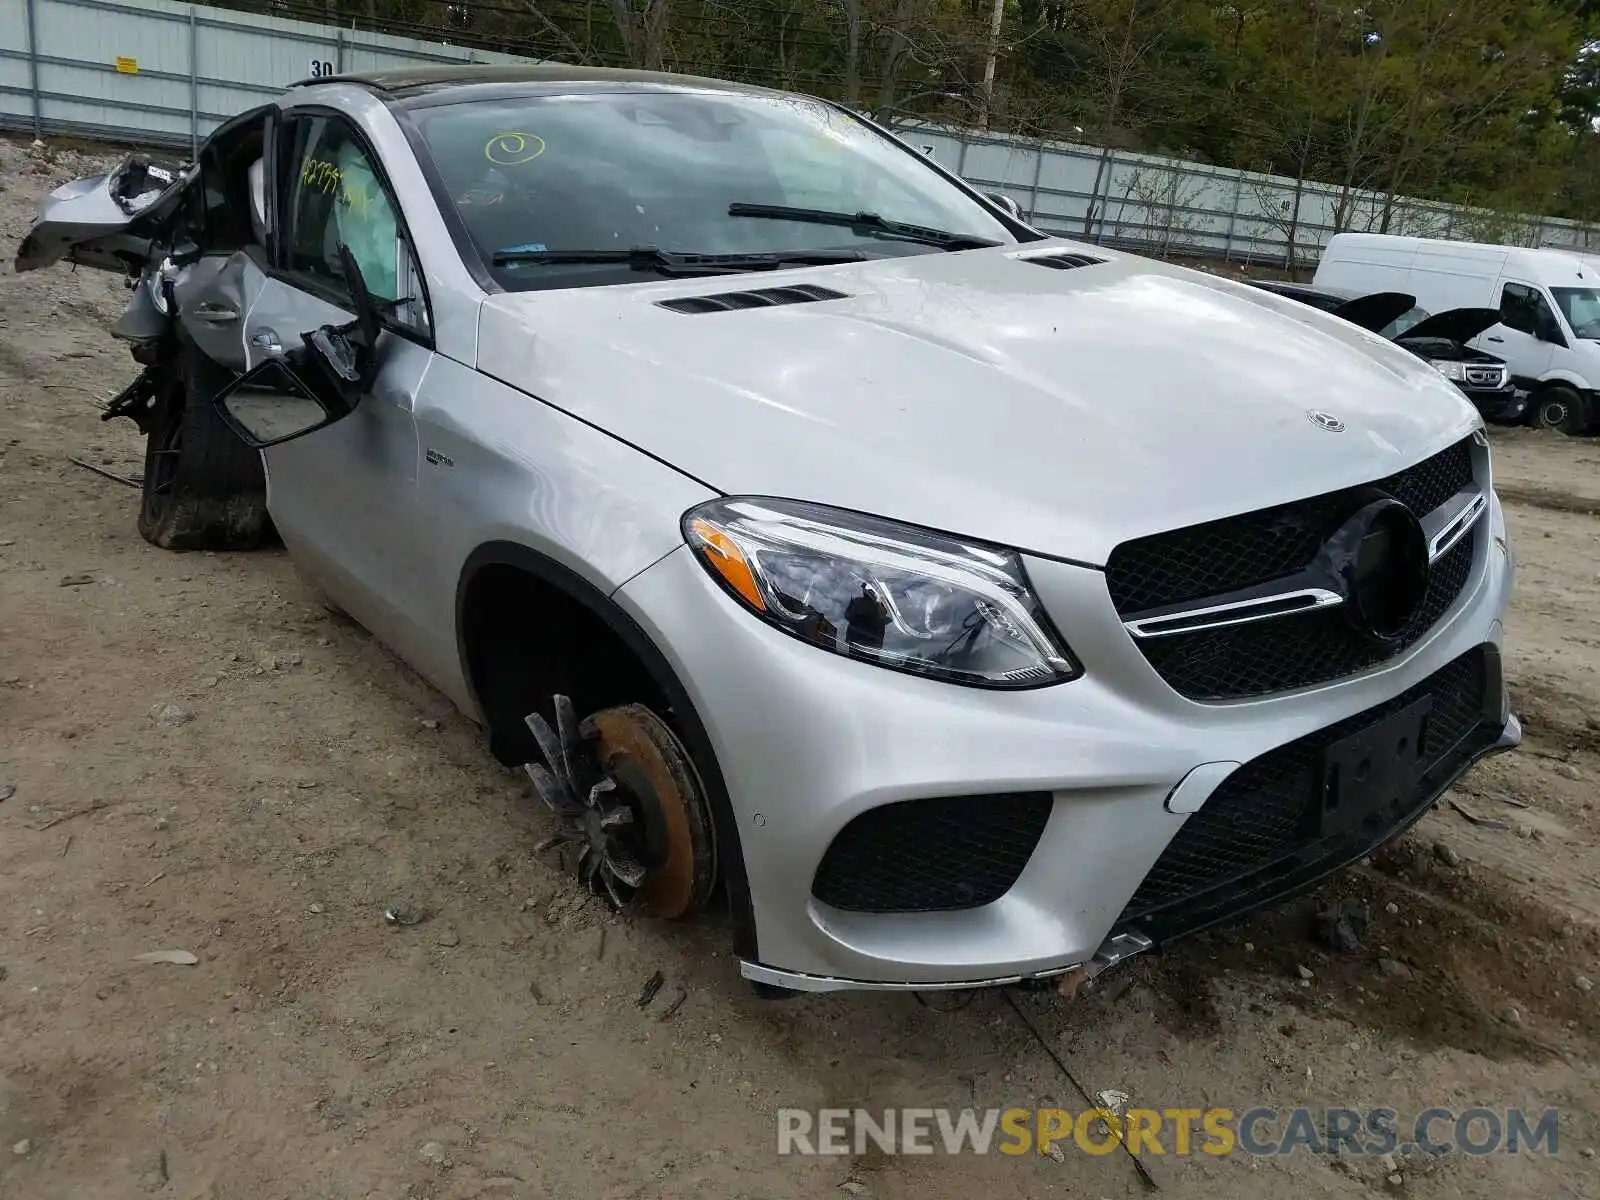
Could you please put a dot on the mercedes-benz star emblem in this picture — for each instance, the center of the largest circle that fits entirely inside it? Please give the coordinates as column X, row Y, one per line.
column 1380, row 560
column 1325, row 420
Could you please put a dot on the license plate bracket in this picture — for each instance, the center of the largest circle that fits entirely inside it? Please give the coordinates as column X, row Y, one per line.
column 1374, row 772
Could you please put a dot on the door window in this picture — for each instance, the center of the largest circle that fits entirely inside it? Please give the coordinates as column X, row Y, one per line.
column 1522, row 308
column 335, row 196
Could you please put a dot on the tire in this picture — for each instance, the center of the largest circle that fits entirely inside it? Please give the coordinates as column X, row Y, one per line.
column 1560, row 408
column 203, row 488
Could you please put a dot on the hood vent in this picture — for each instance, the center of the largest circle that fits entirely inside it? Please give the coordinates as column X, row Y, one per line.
column 1063, row 262
column 804, row 293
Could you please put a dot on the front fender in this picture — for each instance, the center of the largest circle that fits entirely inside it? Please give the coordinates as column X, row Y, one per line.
column 1570, row 379
column 103, row 221
column 143, row 320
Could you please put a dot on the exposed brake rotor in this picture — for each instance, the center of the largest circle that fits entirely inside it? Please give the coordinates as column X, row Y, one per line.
column 628, row 795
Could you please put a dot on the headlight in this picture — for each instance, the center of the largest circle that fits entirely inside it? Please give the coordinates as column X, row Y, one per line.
column 1453, row 371
column 887, row 593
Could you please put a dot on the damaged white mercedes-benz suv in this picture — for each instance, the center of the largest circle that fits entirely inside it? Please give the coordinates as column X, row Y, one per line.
column 959, row 605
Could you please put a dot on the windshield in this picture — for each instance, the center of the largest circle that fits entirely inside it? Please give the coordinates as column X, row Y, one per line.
column 1581, row 307
column 615, row 171
column 1404, row 322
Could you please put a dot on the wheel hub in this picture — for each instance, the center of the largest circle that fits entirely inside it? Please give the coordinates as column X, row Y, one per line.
column 629, row 798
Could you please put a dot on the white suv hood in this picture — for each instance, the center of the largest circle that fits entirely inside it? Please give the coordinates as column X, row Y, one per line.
column 1056, row 411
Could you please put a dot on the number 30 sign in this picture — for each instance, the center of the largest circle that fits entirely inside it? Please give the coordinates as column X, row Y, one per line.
column 321, row 67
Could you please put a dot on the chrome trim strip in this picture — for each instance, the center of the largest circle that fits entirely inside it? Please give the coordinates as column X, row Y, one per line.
column 1240, row 612
column 799, row 982
column 1444, row 527
column 1456, row 525
column 1119, row 947
column 1511, row 738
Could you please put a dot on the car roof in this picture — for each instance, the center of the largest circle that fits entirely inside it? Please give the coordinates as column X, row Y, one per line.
column 418, row 81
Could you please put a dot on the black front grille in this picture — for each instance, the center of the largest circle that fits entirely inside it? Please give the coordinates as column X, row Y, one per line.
column 1300, row 650
column 932, row 855
column 1238, row 552
column 1257, row 836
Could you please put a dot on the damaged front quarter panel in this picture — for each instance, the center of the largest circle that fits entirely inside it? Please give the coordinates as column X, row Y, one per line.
column 105, row 221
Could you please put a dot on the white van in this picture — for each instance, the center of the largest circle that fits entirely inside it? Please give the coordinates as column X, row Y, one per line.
column 1549, row 302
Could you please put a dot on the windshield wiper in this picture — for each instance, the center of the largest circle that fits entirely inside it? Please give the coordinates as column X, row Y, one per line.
column 866, row 223
column 674, row 262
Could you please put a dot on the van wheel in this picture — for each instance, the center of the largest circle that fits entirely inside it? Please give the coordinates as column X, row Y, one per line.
column 204, row 489
column 1560, row 408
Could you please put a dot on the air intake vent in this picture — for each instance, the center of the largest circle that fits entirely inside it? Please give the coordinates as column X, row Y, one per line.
column 804, row 293
column 1063, row 262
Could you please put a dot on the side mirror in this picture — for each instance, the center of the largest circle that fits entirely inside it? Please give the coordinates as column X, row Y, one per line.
column 1549, row 331
column 271, row 403
column 1001, row 200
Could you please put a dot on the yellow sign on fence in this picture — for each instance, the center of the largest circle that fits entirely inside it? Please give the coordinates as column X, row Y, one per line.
column 127, row 66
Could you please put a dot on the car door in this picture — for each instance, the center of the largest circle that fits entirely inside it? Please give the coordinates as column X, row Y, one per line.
column 344, row 497
column 1520, row 338
column 219, row 238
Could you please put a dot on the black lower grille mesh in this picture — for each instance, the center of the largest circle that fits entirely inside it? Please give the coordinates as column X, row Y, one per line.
column 1269, row 808
column 1238, row 552
column 1296, row 651
column 932, row 855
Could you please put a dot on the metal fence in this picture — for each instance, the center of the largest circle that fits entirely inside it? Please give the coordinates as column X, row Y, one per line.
column 164, row 73
column 1172, row 207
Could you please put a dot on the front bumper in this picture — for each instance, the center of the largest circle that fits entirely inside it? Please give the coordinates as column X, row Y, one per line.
column 806, row 741
column 1497, row 404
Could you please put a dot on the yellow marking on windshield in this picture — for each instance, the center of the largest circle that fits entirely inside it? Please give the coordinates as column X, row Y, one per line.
column 320, row 174
column 512, row 149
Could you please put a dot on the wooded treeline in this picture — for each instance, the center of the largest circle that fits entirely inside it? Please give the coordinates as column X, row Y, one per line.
column 1485, row 102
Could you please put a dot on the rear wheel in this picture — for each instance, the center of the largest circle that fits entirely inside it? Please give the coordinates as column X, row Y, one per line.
column 1560, row 408
column 204, row 489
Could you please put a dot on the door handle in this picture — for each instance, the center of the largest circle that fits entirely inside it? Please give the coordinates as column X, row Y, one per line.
column 266, row 340
column 1495, row 339
column 216, row 314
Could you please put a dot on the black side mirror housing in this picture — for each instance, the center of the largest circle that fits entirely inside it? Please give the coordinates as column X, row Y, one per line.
column 274, row 402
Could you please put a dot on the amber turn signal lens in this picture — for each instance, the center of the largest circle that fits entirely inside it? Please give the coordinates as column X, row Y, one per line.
column 723, row 555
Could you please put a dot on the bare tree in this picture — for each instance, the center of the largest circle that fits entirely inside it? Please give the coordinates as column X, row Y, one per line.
column 991, row 53
column 577, row 52
column 1126, row 40
column 643, row 26
column 898, row 51
column 852, row 52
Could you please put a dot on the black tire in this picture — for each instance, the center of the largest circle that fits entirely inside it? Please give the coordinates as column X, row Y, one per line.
column 204, row 489
column 1560, row 408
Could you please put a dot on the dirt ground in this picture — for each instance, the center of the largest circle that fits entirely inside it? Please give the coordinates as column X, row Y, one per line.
column 205, row 759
